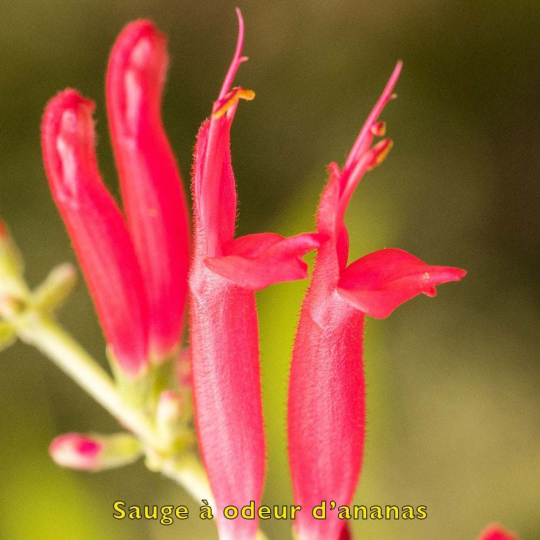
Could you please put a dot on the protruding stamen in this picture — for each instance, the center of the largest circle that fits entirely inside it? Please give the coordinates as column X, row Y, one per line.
column 366, row 129
column 238, row 58
column 378, row 129
column 379, row 152
column 231, row 99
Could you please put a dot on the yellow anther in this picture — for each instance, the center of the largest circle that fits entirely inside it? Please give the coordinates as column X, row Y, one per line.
column 381, row 151
column 379, row 129
column 232, row 98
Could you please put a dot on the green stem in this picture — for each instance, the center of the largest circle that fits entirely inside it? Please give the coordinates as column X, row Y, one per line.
column 53, row 341
column 190, row 474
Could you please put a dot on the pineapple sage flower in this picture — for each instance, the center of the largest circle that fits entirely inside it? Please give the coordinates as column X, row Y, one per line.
column 223, row 321
column 136, row 271
column 326, row 411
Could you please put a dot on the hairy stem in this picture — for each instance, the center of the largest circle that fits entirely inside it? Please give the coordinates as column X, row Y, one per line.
column 55, row 343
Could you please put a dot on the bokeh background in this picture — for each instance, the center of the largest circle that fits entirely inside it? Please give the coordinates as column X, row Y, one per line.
column 454, row 406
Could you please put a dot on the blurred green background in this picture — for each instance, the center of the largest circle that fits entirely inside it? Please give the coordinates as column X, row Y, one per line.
column 454, row 405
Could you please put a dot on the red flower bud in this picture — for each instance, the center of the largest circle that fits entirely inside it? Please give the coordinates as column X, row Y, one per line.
column 154, row 201
column 96, row 228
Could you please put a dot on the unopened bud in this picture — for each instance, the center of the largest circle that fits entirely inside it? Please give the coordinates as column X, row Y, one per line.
column 10, row 257
column 94, row 452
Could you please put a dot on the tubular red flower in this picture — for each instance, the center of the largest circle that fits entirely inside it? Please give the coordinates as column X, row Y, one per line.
column 152, row 192
column 326, row 412
column 494, row 532
column 96, row 228
column 223, row 318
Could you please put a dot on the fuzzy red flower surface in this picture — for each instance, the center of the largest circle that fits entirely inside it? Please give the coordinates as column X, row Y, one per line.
column 136, row 272
column 97, row 229
column 223, row 321
column 326, row 413
column 154, row 201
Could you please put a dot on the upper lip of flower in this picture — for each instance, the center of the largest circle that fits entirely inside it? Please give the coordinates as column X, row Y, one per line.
column 362, row 158
column 379, row 282
column 211, row 190
column 254, row 261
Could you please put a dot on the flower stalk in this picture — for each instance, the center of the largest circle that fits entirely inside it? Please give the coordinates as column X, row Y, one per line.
column 41, row 331
column 54, row 342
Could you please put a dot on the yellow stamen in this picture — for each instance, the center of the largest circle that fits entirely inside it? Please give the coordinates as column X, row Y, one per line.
column 379, row 129
column 232, row 98
column 382, row 151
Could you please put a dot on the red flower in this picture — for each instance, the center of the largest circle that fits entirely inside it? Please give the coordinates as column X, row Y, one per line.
column 137, row 274
column 223, row 320
column 97, row 229
column 326, row 414
column 156, row 209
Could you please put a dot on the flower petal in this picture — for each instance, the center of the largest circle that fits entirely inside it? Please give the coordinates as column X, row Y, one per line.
column 346, row 533
column 224, row 331
column 257, row 261
column 214, row 189
column 214, row 186
column 381, row 281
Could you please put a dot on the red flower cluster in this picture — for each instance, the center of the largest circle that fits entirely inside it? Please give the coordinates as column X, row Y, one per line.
column 137, row 271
